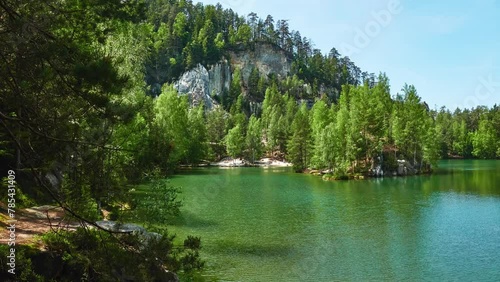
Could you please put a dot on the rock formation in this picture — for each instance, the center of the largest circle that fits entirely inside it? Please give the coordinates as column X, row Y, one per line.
column 202, row 83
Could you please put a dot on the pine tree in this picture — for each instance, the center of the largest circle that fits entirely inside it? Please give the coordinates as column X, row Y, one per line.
column 235, row 142
column 299, row 145
column 216, row 130
column 460, row 137
column 253, row 84
column 431, row 143
column 197, row 135
column 234, row 90
column 253, row 139
column 171, row 120
column 380, row 109
column 358, row 124
column 319, row 118
column 326, row 147
column 484, row 140
column 342, row 128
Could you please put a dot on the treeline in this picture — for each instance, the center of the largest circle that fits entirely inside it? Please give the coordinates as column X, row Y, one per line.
column 365, row 129
column 468, row 133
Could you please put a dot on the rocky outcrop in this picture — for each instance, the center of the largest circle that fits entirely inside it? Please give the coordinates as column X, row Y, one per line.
column 265, row 57
column 405, row 168
column 219, row 76
column 402, row 168
column 195, row 83
column 202, row 84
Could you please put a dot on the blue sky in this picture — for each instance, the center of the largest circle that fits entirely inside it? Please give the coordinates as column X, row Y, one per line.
column 450, row 50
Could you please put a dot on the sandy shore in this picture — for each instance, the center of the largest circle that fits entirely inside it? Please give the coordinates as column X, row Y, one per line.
column 265, row 162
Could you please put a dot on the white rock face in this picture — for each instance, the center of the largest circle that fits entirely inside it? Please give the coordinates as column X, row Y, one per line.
column 195, row 84
column 219, row 78
column 265, row 57
column 201, row 84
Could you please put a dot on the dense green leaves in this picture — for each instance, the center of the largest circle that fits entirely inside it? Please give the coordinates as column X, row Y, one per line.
column 299, row 145
column 235, row 141
column 171, row 126
column 469, row 133
column 79, row 126
column 485, row 140
column 87, row 106
column 253, row 139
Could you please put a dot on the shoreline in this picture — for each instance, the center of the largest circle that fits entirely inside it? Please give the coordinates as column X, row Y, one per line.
column 239, row 162
column 404, row 169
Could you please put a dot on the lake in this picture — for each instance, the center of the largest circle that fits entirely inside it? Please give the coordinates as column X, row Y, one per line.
column 260, row 224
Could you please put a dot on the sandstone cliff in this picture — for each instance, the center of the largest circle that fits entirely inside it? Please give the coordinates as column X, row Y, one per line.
column 203, row 83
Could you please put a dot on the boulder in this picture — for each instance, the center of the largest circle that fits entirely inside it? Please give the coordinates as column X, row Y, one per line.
column 405, row 168
column 144, row 235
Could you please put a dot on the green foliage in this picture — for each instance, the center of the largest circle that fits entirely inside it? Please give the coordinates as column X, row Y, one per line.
column 275, row 120
column 253, row 84
column 235, row 141
column 431, row 140
column 234, row 90
column 197, row 131
column 25, row 264
column 318, row 120
column 216, row 124
column 353, row 136
column 299, row 145
column 74, row 107
column 100, row 256
column 340, row 173
column 86, row 97
column 484, row 140
column 253, row 139
column 342, row 140
column 244, row 34
column 155, row 203
column 184, row 34
column 469, row 133
column 171, row 127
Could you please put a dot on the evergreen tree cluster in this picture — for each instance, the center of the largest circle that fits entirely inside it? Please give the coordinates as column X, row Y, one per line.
column 362, row 130
column 469, row 133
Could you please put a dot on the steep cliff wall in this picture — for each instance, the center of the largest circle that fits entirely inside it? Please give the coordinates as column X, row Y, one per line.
column 219, row 76
column 195, row 83
column 202, row 83
column 265, row 57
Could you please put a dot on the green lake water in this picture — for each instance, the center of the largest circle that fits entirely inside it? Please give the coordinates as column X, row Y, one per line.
column 271, row 224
